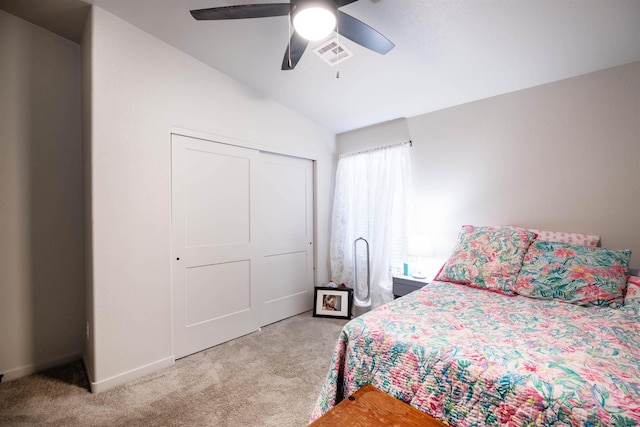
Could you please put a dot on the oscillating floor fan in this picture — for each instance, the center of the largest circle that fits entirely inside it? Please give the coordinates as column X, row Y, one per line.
column 362, row 281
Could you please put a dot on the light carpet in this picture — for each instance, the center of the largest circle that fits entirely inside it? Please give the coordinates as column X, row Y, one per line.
column 267, row 378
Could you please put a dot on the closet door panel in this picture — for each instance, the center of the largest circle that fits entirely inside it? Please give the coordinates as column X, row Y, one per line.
column 213, row 250
column 286, row 236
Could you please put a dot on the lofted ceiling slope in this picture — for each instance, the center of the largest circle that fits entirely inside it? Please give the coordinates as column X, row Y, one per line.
column 448, row 52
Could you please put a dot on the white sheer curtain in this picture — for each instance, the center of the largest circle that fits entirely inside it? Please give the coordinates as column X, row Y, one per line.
column 372, row 200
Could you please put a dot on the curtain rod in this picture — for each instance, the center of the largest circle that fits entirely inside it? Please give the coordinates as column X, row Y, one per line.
column 399, row 144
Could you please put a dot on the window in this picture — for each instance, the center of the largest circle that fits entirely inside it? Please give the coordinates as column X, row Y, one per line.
column 372, row 200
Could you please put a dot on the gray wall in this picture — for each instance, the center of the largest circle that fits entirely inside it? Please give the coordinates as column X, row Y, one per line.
column 87, row 128
column 563, row 156
column 134, row 90
column 41, row 232
column 386, row 133
column 141, row 88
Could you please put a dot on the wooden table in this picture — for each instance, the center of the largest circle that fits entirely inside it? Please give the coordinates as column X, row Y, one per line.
column 369, row 407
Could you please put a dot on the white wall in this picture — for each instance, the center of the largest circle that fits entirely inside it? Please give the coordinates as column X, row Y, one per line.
column 387, row 133
column 562, row 156
column 42, row 287
column 140, row 89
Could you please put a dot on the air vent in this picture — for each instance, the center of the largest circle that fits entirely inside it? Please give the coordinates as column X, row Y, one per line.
column 332, row 52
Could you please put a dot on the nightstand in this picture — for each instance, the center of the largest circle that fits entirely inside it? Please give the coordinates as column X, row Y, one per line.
column 403, row 285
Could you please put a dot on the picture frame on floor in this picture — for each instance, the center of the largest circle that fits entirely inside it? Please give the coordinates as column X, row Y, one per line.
column 332, row 302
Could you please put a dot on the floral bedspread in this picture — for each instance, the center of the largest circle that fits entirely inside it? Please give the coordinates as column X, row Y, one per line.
column 471, row 357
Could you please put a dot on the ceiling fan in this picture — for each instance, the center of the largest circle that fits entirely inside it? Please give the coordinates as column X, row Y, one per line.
column 312, row 20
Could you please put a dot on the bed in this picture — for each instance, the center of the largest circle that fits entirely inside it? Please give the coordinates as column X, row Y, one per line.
column 512, row 345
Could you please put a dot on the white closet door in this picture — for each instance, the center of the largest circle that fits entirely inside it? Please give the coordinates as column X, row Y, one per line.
column 213, row 249
column 286, row 236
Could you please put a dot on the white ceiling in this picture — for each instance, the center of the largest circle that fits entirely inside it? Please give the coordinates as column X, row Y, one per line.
column 448, row 52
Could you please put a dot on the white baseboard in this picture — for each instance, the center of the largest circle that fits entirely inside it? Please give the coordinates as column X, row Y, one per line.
column 23, row 371
column 126, row 377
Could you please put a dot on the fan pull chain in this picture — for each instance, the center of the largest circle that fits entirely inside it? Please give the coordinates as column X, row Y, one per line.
column 337, row 50
column 289, row 42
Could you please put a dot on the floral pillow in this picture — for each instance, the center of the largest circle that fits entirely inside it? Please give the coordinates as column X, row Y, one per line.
column 581, row 275
column 487, row 257
column 565, row 237
column 632, row 297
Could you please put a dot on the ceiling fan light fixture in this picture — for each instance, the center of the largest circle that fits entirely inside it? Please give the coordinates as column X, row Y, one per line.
column 305, row 16
column 314, row 21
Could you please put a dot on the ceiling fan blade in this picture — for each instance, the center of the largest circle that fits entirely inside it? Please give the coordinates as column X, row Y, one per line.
column 341, row 3
column 242, row 11
column 297, row 44
column 359, row 32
